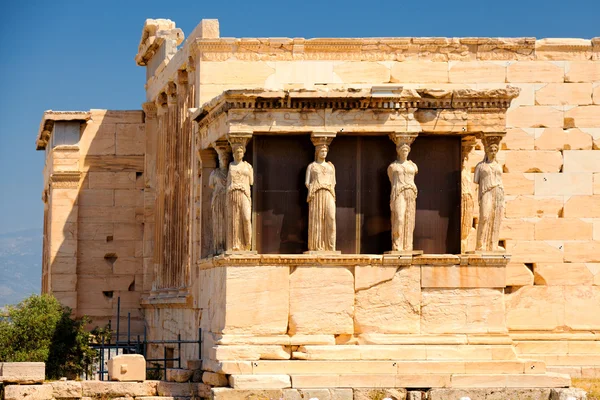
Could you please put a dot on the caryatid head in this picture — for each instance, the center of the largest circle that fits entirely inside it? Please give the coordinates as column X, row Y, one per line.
column 321, row 143
column 224, row 153
column 224, row 159
column 238, row 152
column 402, row 150
column 491, row 145
column 403, row 142
column 321, row 152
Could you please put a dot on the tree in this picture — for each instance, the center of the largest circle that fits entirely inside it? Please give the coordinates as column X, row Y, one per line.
column 40, row 329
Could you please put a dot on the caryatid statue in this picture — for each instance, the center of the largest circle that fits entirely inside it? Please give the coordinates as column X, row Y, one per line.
column 403, row 198
column 320, row 181
column 218, row 183
column 466, row 196
column 488, row 175
column 238, row 201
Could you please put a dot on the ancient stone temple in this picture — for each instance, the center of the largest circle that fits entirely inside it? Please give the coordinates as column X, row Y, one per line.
column 341, row 213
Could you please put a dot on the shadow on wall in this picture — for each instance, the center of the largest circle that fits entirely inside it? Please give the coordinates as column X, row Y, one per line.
column 94, row 221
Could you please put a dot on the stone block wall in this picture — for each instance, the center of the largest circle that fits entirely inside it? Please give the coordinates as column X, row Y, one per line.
column 277, row 312
column 93, row 238
column 111, row 216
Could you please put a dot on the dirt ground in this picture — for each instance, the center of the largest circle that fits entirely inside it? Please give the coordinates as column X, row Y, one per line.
column 590, row 385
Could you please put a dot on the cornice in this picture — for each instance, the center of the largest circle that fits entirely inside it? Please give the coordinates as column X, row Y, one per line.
column 386, row 49
column 348, row 99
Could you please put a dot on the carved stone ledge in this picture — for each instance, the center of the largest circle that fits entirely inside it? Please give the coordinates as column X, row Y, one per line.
column 350, row 260
column 486, row 98
column 564, row 49
column 381, row 49
column 65, row 180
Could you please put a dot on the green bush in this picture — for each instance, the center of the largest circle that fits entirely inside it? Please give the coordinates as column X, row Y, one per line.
column 40, row 329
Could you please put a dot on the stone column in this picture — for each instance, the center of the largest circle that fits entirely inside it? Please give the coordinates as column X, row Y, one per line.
column 320, row 182
column 488, row 175
column 240, row 178
column 208, row 163
column 467, row 198
column 217, row 182
column 159, row 208
column 150, row 175
column 403, row 198
column 172, row 129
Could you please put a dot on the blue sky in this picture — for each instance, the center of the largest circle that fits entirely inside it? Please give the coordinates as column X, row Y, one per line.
column 77, row 55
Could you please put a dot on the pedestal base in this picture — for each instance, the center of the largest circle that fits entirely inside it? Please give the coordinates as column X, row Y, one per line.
column 404, row 253
column 323, row 252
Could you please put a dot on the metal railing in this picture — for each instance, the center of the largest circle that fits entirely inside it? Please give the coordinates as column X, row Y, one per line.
column 139, row 345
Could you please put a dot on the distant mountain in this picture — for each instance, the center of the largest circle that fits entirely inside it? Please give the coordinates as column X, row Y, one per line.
column 20, row 265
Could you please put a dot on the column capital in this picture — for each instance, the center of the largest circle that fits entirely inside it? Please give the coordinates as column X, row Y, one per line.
column 239, row 138
column 491, row 138
column 221, row 145
column 468, row 142
column 161, row 103
column 319, row 138
column 150, row 109
column 182, row 77
column 171, row 93
column 400, row 138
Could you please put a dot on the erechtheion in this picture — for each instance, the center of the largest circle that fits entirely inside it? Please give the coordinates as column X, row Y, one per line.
column 341, row 213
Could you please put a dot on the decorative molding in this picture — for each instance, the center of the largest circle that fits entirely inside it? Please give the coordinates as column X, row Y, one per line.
column 351, row 260
column 364, row 49
column 463, row 111
column 385, row 49
column 65, row 180
column 347, row 99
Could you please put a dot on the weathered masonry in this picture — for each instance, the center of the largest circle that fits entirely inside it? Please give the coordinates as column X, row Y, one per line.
column 446, row 234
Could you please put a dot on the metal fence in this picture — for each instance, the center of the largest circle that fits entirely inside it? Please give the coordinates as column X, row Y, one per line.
column 139, row 345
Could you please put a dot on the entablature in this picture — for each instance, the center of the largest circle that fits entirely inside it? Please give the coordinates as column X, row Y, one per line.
column 379, row 110
column 394, row 49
